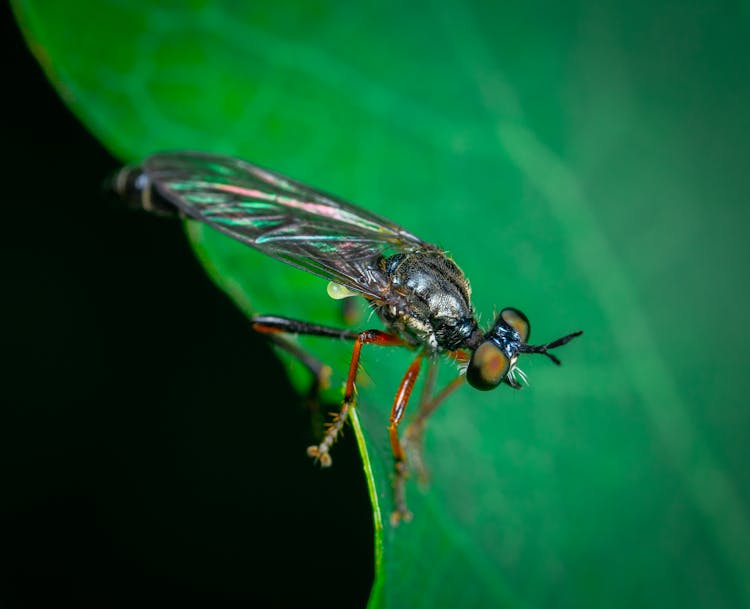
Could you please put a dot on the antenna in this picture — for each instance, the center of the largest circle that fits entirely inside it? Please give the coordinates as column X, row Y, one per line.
column 544, row 349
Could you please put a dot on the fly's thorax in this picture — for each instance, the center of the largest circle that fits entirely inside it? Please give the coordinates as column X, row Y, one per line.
column 433, row 296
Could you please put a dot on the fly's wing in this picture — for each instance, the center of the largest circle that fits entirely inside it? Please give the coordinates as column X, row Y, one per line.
column 292, row 222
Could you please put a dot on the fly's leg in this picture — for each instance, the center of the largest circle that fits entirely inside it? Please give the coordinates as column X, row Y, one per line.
column 270, row 324
column 321, row 452
column 413, row 437
column 320, row 372
column 400, row 472
column 414, row 434
column 273, row 327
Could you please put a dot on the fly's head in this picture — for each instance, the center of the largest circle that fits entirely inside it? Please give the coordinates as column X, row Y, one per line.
column 493, row 360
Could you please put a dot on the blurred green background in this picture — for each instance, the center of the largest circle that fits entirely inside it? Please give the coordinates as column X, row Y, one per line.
column 584, row 162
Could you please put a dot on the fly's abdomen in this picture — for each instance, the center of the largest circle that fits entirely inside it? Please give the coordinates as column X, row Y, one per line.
column 134, row 187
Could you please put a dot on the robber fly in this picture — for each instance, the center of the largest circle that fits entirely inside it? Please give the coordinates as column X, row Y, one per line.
column 418, row 292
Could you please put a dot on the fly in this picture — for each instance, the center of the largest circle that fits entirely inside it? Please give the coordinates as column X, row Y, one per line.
column 417, row 291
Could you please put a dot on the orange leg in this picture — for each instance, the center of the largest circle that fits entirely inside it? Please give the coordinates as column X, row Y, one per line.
column 321, row 452
column 414, row 434
column 400, row 511
column 430, row 405
column 271, row 325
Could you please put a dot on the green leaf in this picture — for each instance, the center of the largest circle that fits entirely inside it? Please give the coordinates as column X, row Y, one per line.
column 585, row 164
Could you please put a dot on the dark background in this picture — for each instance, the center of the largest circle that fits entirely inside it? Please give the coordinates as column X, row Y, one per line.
column 152, row 452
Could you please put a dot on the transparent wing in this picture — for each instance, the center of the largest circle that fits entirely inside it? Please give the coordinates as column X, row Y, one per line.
column 292, row 222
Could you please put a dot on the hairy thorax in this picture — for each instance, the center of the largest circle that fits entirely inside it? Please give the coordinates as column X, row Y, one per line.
column 431, row 300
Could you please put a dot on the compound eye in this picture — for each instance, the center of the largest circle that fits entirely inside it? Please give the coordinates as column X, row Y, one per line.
column 487, row 367
column 518, row 321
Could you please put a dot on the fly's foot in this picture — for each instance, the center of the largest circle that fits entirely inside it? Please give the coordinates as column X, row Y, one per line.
column 400, row 515
column 321, row 452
